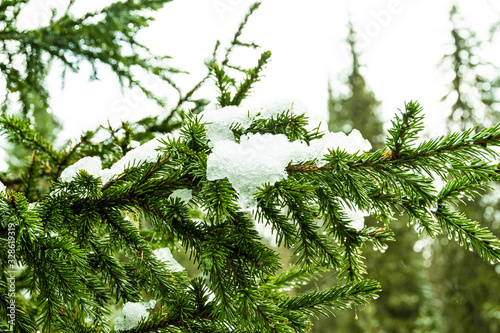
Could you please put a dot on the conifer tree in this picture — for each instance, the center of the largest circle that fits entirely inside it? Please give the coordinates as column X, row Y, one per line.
column 406, row 300
column 353, row 109
column 462, row 279
column 473, row 90
column 102, row 233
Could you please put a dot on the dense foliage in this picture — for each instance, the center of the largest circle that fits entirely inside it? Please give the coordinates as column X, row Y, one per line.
column 82, row 226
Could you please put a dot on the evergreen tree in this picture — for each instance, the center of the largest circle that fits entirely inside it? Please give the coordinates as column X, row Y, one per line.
column 406, row 302
column 358, row 106
column 472, row 90
column 102, row 233
column 464, row 281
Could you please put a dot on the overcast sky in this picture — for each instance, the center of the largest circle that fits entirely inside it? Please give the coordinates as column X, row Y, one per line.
column 401, row 42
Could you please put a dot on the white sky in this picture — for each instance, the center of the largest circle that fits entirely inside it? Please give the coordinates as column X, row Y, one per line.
column 401, row 41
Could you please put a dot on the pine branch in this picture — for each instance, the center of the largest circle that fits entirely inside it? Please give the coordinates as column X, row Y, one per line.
column 269, row 211
column 253, row 76
column 341, row 298
column 19, row 131
column 236, row 39
column 467, row 233
column 405, row 130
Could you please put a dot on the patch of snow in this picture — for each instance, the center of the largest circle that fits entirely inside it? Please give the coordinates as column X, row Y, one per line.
column 219, row 121
column 132, row 314
column 165, row 256
column 2, row 187
column 357, row 218
column 184, row 194
column 144, row 153
column 148, row 152
column 92, row 165
column 257, row 159
column 262, row 158
column 351, row 143
column 272, row 106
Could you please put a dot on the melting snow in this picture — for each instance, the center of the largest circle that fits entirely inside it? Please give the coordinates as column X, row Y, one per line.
column 184, row 194
column 262, row 158
column 132, row 314
column 145, row 153
column 257, row 159
column 219, row 120
column 165, row 256
column 92, row 165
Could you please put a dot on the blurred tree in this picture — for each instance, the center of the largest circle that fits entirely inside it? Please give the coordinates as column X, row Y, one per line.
column 358, row 107
column 465, row 280
column 406, row 303
column 474, row 87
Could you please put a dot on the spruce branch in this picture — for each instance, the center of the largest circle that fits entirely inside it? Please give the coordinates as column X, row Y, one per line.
column 236, row 39
column 252, row 76
column 347, row 296
column 405, row 130
column 20, row 132
column 223, row 81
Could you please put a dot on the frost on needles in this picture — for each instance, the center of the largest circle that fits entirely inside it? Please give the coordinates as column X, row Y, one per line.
column 106, row 233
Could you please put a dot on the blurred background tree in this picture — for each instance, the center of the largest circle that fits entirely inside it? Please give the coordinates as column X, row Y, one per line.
column 463, row 281
column 473, row 90
column 440, row 288
column 357, row 108
column 406, row 303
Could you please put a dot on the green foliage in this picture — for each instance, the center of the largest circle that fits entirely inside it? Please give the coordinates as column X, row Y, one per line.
column 97, row 38
column 105, row 38
column 80, row 255
column 219, row 71
column 84, row 245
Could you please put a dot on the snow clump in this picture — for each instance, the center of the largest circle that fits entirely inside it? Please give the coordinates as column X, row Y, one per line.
column 166, row 257
column 219, row 121
column 257, row 159
column 184, row 194
column 263, row 158
column 148, row 152
column 351, row 143
column 132, row 314
column 92, row 165
column 357, row 218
